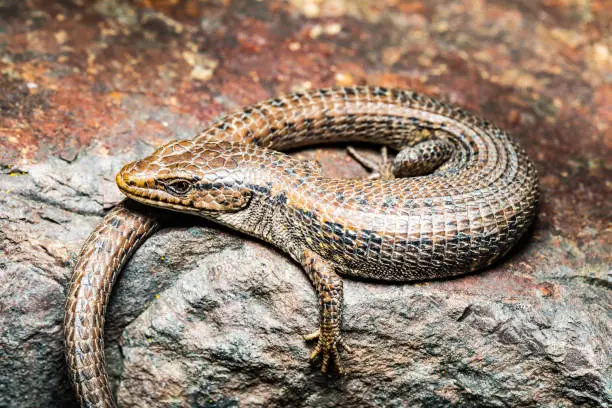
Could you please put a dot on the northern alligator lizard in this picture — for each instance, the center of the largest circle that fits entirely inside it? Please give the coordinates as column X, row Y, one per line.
column 464, row 195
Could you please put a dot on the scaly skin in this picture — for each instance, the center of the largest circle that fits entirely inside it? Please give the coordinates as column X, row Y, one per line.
column 475, row 194
column 104, row 253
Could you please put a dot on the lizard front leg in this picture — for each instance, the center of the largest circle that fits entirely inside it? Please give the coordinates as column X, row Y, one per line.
column 329, row 290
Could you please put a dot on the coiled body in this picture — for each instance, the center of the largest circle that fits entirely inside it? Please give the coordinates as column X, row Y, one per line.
column 464, row 215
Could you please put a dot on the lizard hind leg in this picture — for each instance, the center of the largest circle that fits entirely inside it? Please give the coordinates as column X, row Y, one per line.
column 422, row 158
column 380, row 170
column 328, row 286
column 418, row 160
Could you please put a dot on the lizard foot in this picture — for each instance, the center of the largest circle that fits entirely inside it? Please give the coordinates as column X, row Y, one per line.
column 329, row 286
column 382, row 169
column 328, row 346
column 417, row 160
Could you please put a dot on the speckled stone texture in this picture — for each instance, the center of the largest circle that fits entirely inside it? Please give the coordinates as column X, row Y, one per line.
column 206, row 317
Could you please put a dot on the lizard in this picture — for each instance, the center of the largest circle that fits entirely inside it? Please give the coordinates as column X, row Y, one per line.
column 455, row 199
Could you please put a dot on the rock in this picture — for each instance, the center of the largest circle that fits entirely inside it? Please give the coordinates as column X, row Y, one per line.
column 205, row 317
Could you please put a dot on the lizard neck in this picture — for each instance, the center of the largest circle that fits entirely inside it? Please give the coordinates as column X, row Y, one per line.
column 265, row 217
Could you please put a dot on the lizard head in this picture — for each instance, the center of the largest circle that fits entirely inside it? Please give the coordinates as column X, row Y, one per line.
column 188, row 177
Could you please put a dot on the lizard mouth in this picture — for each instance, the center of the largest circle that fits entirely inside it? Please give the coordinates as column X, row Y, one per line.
column 141, row 191
column 132, row 186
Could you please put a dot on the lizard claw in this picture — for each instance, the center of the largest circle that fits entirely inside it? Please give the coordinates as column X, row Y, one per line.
column 312, row 336
column 327, row 347
column 381, row 170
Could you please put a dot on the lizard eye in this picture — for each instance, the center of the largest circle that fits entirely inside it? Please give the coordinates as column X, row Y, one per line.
column 179, row 187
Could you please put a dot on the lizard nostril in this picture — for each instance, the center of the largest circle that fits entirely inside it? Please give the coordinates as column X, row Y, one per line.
column 123, row 179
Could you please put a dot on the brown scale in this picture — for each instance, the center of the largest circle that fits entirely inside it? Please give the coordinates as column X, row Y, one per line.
column 458, row 195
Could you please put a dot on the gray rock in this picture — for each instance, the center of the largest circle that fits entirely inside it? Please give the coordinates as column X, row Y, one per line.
column 203, row 316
